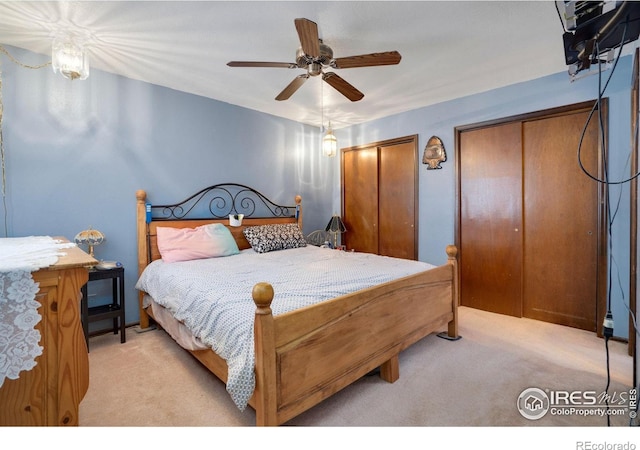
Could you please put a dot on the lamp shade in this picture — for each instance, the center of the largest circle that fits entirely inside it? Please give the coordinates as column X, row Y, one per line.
column 90, row 238
column 336, row 225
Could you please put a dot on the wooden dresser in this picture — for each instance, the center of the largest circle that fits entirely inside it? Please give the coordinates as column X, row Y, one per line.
column 50, row 393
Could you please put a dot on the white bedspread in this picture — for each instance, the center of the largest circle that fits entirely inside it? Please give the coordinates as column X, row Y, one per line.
column 212, row 297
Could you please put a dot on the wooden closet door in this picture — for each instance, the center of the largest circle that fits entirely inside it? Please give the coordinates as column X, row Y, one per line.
column 561, row 221
column 552, row 266
column 380, row 197
column 397, row 200
column 360, row 199
column 490, row 210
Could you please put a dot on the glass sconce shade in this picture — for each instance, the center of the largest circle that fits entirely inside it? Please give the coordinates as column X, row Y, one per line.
column 69, row 57
column 329, row 143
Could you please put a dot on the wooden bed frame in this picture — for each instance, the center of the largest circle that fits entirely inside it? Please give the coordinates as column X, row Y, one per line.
column 305, row 356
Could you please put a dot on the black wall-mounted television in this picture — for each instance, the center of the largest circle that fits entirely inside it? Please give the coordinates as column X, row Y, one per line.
column 619, row 25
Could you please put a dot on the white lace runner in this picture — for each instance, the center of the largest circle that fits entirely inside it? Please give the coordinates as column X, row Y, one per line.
column 18, row 317
column 19, row 340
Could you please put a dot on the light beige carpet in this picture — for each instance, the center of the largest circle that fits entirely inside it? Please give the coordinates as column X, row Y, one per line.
column 476, row 381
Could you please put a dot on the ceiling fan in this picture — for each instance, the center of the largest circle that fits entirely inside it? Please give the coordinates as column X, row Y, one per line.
column 314, row 56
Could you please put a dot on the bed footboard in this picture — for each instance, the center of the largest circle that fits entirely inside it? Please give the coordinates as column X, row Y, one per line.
column 307, row 355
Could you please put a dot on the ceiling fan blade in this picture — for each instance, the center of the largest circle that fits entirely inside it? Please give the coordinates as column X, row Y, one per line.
column 372, row 59
column 281, row 65
column 308, row 33
column 342, row 86
column 292, row 87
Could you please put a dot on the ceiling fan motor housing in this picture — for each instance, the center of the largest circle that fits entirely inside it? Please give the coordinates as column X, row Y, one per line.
column 314, row 65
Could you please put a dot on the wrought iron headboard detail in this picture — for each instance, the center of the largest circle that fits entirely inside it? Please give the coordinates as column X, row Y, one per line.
column 219, row 201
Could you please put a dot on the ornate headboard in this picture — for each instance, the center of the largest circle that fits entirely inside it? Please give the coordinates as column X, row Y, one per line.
column 213, row 204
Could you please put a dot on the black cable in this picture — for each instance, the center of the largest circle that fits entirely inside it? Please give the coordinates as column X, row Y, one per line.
column 608, row 322
column 606, row 389
column 607, row 328
column 584, row 130
column 607, row 28
column 597, row 106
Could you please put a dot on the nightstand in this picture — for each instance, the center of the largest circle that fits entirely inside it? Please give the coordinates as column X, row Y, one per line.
column 113, row 310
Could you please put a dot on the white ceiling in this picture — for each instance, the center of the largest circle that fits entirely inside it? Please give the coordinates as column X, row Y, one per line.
column 449, row 48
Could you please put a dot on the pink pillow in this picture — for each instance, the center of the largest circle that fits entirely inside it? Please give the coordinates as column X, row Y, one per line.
column 206, row 241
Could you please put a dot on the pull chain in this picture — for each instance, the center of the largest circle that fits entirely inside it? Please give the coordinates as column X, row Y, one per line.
column 321, row 107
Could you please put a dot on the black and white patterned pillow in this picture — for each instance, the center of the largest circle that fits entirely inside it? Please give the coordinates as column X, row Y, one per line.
column 281, row 236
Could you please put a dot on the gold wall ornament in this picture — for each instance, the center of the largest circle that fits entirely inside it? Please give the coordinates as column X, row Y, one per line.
column 434, row 153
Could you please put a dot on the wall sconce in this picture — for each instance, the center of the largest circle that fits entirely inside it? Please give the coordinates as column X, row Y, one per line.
column 434, row 153
column 329, row 143
column 69, row 57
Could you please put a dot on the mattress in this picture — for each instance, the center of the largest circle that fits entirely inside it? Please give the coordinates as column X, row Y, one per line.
column 212, row 297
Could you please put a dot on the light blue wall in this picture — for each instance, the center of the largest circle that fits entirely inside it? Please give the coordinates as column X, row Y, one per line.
column 76, row 152
column 437, row 188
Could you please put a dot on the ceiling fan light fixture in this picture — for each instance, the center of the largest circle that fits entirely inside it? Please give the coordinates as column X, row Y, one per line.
column 329, row 143
column 314, row 69
column 69, row 57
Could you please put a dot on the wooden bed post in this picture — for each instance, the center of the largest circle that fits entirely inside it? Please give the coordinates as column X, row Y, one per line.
column 298, row 201
column 452, row 253
column 143, row 248
column 265, row 349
